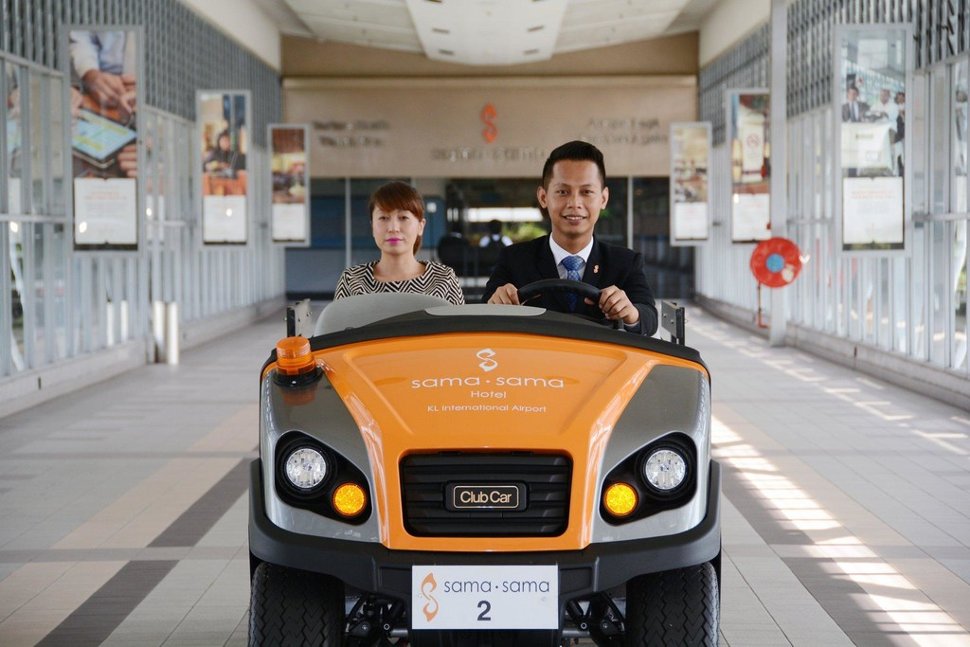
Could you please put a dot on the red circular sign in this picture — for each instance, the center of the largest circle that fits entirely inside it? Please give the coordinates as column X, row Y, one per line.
column 775, row 262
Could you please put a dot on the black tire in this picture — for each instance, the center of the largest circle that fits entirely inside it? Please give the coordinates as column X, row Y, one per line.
column 676, row 608
column 291, row 608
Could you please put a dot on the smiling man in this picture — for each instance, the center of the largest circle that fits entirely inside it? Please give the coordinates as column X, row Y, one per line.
column 572, row 194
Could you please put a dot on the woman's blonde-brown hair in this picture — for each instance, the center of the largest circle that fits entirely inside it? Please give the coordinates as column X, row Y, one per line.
column 398, row 195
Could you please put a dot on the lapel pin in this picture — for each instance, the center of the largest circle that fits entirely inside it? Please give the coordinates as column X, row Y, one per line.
column 596, row 269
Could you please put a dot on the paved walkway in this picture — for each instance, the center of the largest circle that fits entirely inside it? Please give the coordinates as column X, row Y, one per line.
column 846, row 514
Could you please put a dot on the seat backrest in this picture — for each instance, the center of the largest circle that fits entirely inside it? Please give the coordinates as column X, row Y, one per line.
column 454, row 252
column 360, row 310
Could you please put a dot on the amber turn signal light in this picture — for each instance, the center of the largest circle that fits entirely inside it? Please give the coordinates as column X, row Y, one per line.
column 349, row 499
column 293, row 356
column 620, row 499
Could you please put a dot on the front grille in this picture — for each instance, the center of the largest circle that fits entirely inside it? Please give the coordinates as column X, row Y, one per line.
column 425, row 479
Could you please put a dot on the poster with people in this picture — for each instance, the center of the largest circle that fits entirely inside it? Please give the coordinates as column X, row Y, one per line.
column 747, row 122
column 690, row 154
column 103, row 104
column 224, row 139
column 290, row 216
column 872, row 64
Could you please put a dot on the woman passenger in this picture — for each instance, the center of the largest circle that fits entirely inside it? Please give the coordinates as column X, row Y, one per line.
column 397, row 222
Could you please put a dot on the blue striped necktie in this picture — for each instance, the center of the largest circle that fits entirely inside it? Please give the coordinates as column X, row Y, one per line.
column 572, row 265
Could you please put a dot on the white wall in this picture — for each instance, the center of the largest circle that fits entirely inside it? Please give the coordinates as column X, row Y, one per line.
column 728, row 22
column 244, row 22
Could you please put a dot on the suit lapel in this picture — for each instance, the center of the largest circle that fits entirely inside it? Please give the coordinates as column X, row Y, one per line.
column 547, row 263
column 548, row 270
column 593, row 272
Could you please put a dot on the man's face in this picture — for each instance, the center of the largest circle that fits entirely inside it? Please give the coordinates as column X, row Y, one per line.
column 574, row 198
column 884, row 96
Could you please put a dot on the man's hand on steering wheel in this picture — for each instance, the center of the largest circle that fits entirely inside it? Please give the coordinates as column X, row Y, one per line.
column 507, row 294
column 616, row 305
column 612, row 301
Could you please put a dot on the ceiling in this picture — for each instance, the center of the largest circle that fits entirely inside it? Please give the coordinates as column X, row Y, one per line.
column 486, row 32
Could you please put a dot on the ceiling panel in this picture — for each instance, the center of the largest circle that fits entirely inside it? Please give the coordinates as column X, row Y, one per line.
column 488, row 32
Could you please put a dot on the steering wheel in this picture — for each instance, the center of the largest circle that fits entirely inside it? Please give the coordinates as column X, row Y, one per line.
column 583, row 290
column 534, row 289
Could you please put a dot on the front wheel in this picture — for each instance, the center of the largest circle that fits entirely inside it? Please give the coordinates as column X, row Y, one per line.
column 295, row 608
column 675, row 608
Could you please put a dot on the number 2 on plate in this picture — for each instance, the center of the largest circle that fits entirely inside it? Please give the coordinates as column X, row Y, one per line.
column 485, row 606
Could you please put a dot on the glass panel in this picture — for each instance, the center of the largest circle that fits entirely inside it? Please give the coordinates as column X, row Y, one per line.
column 56, row 88
column 39, row 134
column 958, row 204
column 315, row 270
column 611, row 227
column 939, row 133
column 918, row 142
column 19, row 304
column 938, row 248
column 958, row 178
column 56, row 260
column 939, row 285
column 958, row 358
column 883, row 328
column 918, row 294
column 670, row 270
column 854, row 297
column 870, row 306
column 15, row 76
column 900, row 305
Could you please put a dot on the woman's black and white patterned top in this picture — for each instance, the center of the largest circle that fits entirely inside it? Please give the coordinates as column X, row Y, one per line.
column 438, row 280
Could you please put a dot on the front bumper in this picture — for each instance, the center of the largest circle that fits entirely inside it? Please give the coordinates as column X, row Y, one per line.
column 372, row 567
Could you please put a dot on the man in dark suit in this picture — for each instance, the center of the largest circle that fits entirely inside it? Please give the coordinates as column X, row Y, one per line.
column 853, row 109
column 572, row 194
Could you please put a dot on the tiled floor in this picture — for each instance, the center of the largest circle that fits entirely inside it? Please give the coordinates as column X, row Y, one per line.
column 846, row 513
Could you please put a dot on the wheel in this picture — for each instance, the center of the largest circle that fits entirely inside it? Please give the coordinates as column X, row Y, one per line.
column 295, row 608
column 678, row 607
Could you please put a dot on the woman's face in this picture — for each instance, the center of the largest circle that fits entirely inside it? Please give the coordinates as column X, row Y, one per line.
column 395, row 231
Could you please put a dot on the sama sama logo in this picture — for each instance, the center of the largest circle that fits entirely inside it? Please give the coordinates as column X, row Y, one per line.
column 428, row 586
column 490, row 132
column 487, row 364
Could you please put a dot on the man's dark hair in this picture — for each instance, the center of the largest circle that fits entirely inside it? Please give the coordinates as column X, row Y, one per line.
column 575, row 151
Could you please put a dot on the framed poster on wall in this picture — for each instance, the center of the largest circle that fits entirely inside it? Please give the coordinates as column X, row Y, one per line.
column 290, row 210
column 690, row 155
column 747, row 136
column 224, row 123
column 871, row 81
column 105, row 69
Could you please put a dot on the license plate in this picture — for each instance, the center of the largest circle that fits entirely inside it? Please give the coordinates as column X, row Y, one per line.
column 485, row 597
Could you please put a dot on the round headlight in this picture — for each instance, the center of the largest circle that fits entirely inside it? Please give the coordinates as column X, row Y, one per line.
column 306, row 468
column 665, row 469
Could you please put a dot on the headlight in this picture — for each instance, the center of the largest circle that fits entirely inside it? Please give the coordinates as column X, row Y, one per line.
column 665, row 469
column 306, row 468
